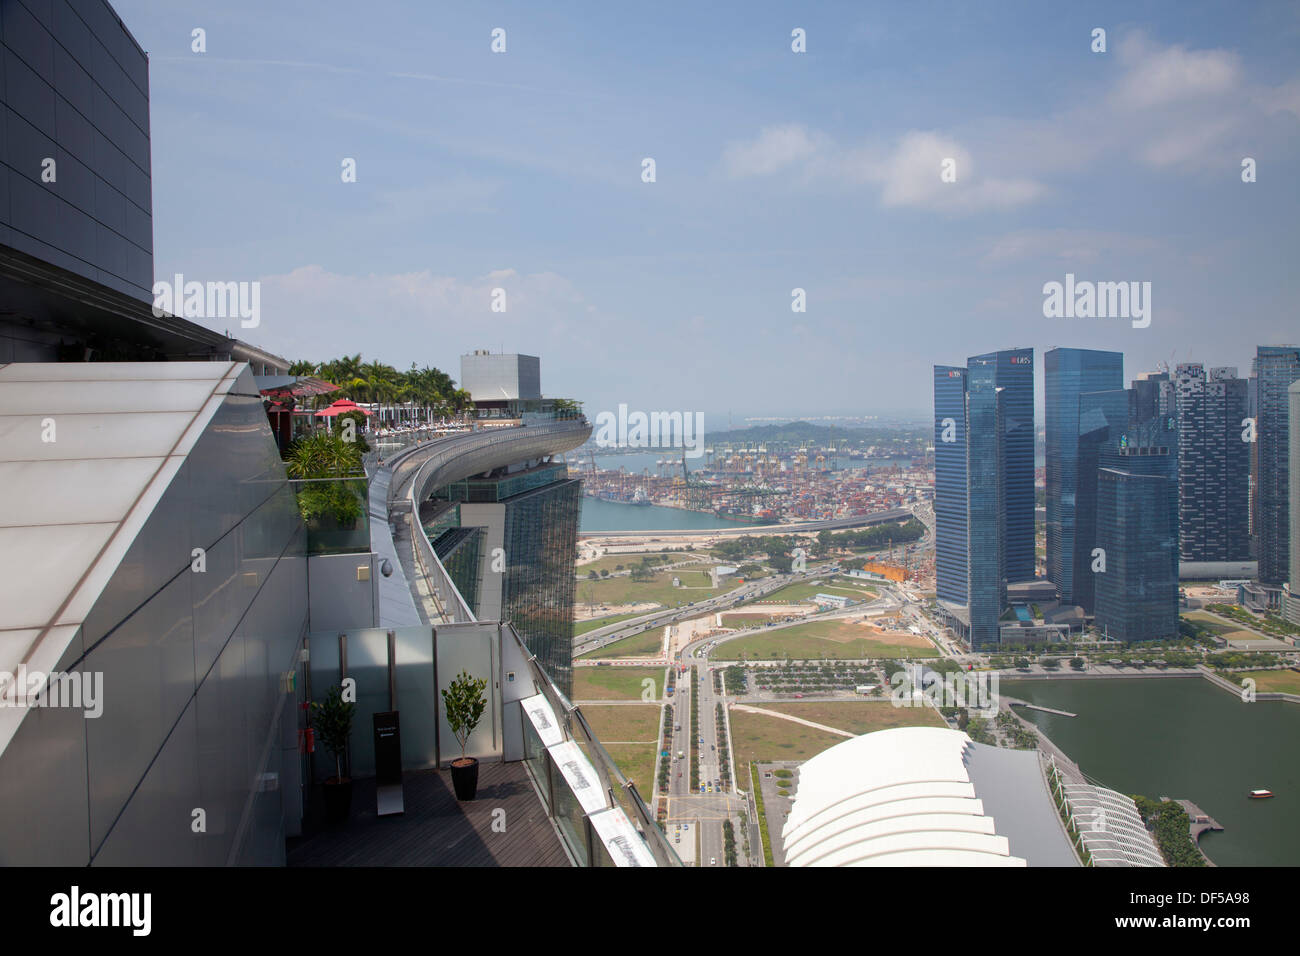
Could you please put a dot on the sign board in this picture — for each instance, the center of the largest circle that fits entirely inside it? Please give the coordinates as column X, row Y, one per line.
column 543, row 719
column 388, row 764
column 625, row 845
column 580, row 775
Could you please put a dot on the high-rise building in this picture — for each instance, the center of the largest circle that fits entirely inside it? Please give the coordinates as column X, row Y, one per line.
column 1103, row 416
column 986, row 501
column 1213, row 464
column 984, row 487
column 1013, row 375
column 1276, row 368
column 1137, row 532
column 1291, row 599
column 509, row 545
column 1069, row 373
column 950, row 544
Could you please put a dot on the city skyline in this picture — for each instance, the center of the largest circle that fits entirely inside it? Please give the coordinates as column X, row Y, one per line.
column 272, row 599
column 1119, row 166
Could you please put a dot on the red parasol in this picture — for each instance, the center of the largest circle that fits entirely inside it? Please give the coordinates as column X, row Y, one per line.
column 341, row 406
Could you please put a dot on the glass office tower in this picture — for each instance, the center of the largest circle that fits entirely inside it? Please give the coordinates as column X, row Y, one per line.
column 1101, row 415
column 510, row 546
column 1013, row 374
column 1276, row 367
column 1291, row 600
column 1137, row 528
column 950, row 484
column 1213, row 464
column 1069, row 373
column 987, row 500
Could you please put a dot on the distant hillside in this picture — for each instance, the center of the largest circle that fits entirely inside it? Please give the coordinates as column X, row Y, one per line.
column 813, row 434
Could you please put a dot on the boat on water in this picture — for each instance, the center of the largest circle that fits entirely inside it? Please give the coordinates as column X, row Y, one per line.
column 1260, row 794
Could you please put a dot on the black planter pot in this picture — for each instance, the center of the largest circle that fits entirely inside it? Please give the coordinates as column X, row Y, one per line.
column 338, row 799
column 464, row 777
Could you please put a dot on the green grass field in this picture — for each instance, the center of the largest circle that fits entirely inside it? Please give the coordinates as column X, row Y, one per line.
column 658, row 590
column 805, row 591
column 615, row 683
column 1220, row 627
column 624, row 725
column 637, row 761
column 1272, row 682
column 859, row 716
column 760, row 737
column 582, row 627
column 647, row 644
column 835, row 639
column 610, row 562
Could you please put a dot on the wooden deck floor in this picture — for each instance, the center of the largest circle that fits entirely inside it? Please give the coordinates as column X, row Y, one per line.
column 437, row 829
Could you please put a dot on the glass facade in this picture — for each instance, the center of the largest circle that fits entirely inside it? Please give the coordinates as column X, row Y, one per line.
column 74, row 91
column 1133, row 492
column 541, row 537
column 950, row 483
column 1137, row 596
column 1013, row 371
column 986, row 517
column 1213, row 464
column 1068, row 374
column 541, row 507
column 1276, row 367
column 1100, row 413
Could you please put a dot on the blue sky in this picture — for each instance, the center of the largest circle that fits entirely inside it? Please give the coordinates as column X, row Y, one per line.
column 775, row 170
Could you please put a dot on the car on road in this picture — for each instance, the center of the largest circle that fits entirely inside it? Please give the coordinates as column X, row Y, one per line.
column 713, row 861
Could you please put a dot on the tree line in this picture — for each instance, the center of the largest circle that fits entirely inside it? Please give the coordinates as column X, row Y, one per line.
column 430, row 389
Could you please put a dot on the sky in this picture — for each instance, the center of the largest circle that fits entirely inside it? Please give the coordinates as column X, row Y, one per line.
column 774, row 171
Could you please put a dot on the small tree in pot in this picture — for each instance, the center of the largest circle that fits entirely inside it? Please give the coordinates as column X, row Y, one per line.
column 333, row 721
column 465, row 703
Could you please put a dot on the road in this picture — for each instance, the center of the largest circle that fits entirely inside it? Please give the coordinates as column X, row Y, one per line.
column 828, row 524
column 749, row 591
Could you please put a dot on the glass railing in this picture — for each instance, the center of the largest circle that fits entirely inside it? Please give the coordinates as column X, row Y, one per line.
column 595, row 843
column 335, row 511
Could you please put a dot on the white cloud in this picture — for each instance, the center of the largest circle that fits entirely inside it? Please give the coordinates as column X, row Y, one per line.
column 316, row 314
column 1167, row 107
column 775, row 148
column 1161, row 76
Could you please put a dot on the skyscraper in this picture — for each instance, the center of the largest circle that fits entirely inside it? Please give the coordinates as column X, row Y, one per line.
column 984, row 487
column 1291, row 600
column 1103, row 416
column 1213, row 464
column 1069, row 373
column 1013, row 375
column 950, row 531
column 1137, row 531
column 986, row 500
column 1276, row 367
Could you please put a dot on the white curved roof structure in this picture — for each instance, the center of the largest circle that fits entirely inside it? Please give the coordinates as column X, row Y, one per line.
column 906, row 797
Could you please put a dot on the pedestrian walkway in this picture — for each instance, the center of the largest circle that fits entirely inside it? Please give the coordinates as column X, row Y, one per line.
column 792, row 717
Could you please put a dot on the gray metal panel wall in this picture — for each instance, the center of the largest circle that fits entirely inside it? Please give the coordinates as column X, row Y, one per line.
column 74, row 88
column 192, row 666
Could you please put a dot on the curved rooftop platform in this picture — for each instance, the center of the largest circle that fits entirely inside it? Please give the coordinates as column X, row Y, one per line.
column 924, row 796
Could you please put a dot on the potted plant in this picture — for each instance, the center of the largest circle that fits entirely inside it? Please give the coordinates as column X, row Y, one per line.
column 333, row 721
column 465, row 702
